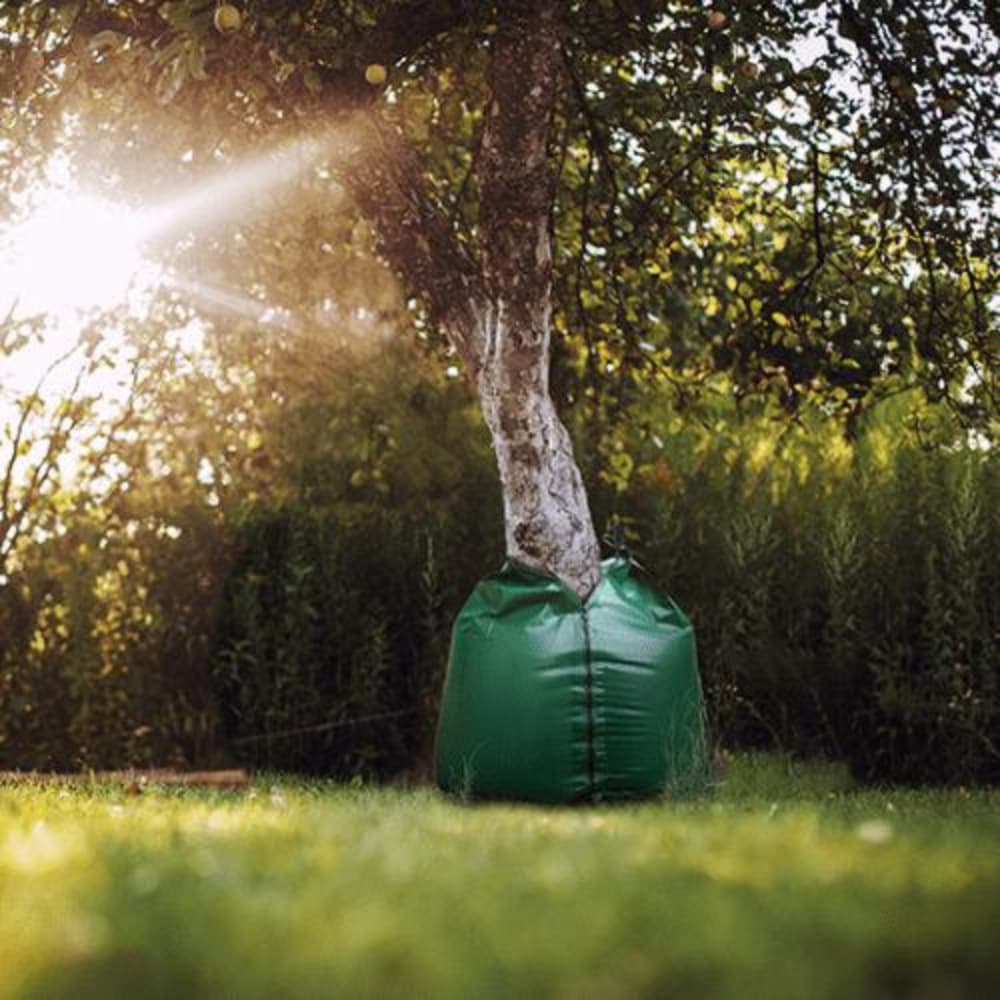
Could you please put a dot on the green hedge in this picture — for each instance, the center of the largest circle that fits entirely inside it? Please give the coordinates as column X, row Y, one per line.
column 847, row 608
column 330, row 642
column 854, row 617
column 851, row 616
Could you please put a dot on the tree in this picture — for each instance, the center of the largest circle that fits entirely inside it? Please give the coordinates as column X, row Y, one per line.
column 565, row 182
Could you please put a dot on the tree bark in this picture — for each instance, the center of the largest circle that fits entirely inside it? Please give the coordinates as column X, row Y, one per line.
column 496, row 306
column 547, row 515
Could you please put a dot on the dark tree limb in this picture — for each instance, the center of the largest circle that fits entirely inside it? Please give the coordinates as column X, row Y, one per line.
column 413, row 233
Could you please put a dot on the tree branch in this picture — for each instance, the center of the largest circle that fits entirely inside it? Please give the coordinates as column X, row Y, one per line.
column 8, row 517
column 416, row 237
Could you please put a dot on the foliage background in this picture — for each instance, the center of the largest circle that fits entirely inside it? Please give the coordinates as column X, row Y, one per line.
column 773, row 348
column 843, row 593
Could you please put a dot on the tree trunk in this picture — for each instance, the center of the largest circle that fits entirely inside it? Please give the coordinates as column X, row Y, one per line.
column 495, row 307
column 548, row 521
column 546, row 514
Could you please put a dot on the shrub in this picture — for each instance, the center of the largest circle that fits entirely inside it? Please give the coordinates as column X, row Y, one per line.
column 328, row 641
column 844, row 596
column 851, row 614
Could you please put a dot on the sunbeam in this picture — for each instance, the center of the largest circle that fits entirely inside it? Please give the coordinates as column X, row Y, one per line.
column 74, row 252
column 235, row 304
column 237, row 191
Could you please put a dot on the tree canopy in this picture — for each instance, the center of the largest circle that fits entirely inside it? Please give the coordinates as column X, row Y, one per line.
column 795, row 193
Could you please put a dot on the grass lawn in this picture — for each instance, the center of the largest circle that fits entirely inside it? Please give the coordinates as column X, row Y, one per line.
column 788, row 883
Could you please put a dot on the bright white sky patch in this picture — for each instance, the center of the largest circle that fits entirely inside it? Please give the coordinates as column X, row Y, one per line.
column 72, row 253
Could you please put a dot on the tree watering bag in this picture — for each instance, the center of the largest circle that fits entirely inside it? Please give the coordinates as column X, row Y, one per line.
column 550, row 698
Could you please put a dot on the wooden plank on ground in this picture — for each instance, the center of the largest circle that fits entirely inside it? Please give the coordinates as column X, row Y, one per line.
column 133, row 780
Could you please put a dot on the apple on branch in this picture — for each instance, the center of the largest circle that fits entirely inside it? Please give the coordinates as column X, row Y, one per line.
column 227, row 18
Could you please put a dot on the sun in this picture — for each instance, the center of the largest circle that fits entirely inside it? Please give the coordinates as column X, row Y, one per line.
column 69, row 252
column 73, row 252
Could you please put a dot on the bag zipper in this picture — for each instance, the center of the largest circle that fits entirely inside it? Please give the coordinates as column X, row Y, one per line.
column 588, row 662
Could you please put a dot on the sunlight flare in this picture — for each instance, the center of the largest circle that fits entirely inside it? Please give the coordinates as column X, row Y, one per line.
column 234, row 304
column 73, row 253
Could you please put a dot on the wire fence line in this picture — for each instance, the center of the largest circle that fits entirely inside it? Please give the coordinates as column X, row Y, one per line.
column 323, row 726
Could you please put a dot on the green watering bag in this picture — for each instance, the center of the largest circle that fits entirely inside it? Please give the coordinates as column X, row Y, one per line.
column 550, row 698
